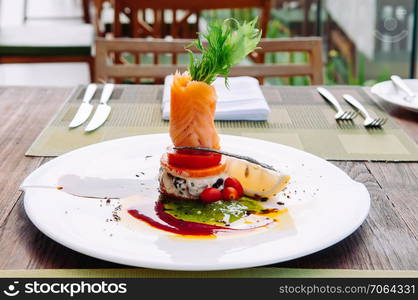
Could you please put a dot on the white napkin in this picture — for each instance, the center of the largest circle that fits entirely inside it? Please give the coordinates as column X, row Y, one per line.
column 244, row 99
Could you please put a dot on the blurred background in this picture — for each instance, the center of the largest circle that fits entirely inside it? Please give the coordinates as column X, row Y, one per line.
column 364, row 41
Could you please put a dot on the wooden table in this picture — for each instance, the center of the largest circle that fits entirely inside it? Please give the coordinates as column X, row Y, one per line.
column 387, row 240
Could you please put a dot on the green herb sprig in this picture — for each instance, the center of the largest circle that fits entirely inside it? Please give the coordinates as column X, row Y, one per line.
column 227, row 44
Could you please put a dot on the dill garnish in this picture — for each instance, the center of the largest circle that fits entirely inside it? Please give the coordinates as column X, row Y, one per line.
column 227, row 44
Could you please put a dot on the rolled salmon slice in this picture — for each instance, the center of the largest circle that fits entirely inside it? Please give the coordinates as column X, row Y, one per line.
column 192, row 113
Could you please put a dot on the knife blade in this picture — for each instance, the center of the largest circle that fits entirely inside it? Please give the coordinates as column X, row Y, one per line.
column 85, row 108
column 102, row 110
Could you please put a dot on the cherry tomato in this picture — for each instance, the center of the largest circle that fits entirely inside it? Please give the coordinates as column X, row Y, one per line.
column 210, row 195
column 230, row 193
column 233, row 182
column 193, row 161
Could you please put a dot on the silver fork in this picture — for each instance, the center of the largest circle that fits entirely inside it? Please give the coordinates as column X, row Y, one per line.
column 341, row 114
column 368, row 120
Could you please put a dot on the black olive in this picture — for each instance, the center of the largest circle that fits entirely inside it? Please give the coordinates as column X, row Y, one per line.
column 218, row 183
column 179, row 183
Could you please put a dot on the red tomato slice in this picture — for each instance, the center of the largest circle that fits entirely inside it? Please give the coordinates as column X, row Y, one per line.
column 193, row 161
column 187, row 172
column 192, row 151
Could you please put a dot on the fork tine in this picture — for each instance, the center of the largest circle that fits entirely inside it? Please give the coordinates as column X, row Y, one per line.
column 372, row 124
column 382, row 121
column 345, row 115
column 342, row 116
column 379, row 122
column 355, row 114
column 348, row 116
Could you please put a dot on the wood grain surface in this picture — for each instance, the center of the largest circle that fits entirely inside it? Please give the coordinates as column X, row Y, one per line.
column 387, row 240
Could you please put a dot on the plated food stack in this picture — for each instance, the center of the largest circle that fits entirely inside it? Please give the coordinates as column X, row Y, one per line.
column 198, row 173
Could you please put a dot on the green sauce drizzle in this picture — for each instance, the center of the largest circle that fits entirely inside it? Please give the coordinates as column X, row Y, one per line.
column 217, row 213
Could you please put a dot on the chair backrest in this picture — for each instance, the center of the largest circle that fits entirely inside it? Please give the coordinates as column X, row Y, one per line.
column 107, row 68
column 179, row 25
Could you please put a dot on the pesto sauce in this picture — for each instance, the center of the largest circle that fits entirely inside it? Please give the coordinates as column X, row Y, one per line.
column 217, row 213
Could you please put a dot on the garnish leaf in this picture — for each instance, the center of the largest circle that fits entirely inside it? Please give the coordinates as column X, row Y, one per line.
column 214, row 213
column 227, row 44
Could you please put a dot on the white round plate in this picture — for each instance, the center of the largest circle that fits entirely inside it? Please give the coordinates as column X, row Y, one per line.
column 325, row 206
column 387, row 91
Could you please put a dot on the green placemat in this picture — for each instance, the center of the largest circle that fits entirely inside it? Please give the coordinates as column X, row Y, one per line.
column 299, row 118
column 243, row 273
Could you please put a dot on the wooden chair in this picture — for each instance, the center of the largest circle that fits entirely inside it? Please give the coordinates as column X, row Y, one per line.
column 179, row 25
column 172, row 17
column 47, row 44
column 107, row 70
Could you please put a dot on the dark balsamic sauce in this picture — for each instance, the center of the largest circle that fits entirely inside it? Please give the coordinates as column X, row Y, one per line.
column 176, row 226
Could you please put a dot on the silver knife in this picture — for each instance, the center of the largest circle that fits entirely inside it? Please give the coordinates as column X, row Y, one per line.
column 103, row 110
column 85, row 108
